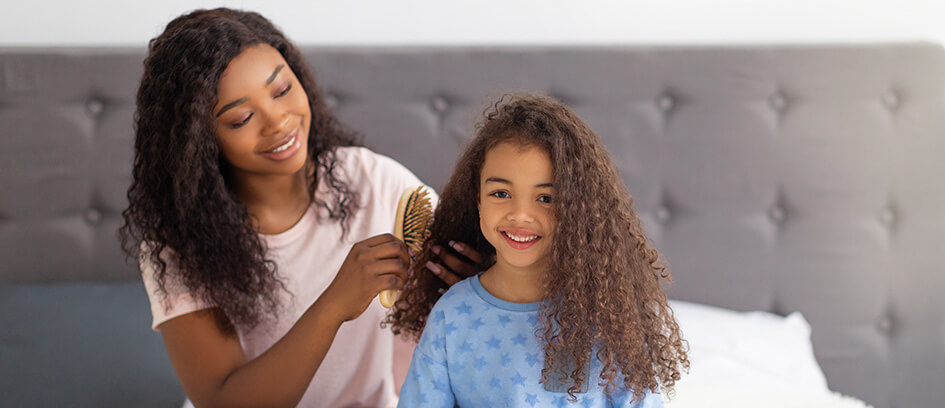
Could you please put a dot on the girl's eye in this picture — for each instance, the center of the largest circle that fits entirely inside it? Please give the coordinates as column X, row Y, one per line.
column 545, row 199
column 284, row 91
column 241, row 123
column 499, row 194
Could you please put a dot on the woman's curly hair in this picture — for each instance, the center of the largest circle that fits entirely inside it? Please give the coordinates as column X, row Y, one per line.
column 180, row 202
column 603, row 287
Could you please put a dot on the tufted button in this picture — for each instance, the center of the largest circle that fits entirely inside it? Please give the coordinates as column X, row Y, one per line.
column 890, row 99
column 887, row 216
column 776, row 214
column 439, row 104
column 92, row 216
column 885, row 324
column 331, row 101
column 662, row 214
column 665, row 102
column 777, row 101
column 94, row 107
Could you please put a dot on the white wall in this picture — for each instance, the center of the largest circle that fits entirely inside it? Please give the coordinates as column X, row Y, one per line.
column 486, row 22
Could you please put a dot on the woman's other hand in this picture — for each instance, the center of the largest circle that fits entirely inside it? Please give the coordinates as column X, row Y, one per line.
column 455, row 263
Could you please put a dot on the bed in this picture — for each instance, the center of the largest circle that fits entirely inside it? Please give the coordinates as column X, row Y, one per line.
column 801, row 186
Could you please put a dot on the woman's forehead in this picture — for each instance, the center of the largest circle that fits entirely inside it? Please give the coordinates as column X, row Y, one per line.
column 252, row 68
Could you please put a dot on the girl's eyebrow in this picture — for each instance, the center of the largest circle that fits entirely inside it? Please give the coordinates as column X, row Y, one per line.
column 269, row 80
column 504, row 181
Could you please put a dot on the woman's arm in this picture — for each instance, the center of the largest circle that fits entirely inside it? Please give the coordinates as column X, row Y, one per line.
column 213, row 370
column 211, row 364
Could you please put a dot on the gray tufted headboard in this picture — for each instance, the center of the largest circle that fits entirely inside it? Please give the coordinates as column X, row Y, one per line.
column 773, row 178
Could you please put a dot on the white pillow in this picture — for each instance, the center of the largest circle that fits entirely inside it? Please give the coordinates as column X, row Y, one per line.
column 748, row 350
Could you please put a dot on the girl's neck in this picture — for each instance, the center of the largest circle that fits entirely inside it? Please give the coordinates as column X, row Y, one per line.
column 275, row 202
column 514, row 284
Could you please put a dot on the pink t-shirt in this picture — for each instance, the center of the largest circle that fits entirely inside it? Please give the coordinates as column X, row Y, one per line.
column 357, row 370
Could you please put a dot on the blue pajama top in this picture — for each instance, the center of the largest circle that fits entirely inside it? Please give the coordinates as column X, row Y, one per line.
column 480, row 351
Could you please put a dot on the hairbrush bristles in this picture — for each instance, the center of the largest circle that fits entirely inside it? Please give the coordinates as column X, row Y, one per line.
column 414, row 213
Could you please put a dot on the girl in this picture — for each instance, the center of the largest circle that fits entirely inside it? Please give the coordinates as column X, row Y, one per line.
column 259, row 225
column 569, row 306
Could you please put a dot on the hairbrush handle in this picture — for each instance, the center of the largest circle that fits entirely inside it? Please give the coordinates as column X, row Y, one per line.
column 414, row 212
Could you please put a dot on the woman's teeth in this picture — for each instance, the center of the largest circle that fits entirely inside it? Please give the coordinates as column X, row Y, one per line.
column 520, row 238
column 283, row 147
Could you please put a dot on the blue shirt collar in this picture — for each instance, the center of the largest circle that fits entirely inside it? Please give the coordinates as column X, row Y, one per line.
column 499, row 303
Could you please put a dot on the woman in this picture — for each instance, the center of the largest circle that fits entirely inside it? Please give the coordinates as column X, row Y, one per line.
column 259, row 225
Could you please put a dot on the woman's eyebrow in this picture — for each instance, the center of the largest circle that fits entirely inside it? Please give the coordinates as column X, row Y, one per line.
column 274, row 73
column 230, row 106
column 272, row 77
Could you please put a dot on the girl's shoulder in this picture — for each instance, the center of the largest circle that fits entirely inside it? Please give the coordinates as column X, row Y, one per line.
column 447, row 307
column 460, row 292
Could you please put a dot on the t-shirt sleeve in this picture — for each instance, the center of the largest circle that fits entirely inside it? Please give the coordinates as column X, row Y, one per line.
column 176, row 301
column 428, row 382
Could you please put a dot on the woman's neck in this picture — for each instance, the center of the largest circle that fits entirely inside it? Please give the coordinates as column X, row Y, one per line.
column 514, row 284
column 276, row 202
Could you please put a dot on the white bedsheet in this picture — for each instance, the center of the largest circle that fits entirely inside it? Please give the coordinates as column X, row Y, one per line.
column 750, row 359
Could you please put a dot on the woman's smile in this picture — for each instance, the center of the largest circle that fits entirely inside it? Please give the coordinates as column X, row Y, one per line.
column 288, row 147
column 263, row 115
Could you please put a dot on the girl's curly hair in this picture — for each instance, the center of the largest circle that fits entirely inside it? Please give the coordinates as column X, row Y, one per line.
column 603, row 287
column 181, row 202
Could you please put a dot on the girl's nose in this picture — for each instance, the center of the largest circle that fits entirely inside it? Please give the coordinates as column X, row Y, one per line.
column 521, row 212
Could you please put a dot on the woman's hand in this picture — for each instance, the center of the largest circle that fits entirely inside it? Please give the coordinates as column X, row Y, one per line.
column 452, row 268
column 375, row 264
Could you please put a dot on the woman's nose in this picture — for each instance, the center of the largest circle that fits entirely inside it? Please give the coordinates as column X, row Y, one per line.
column 277, row 120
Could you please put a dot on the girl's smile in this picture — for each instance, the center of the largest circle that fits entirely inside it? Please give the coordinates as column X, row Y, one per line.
column 520, row 238
column 515, row 210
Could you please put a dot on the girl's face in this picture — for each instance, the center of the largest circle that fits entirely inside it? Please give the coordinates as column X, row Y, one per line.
column 515, row 210
column 263, row 115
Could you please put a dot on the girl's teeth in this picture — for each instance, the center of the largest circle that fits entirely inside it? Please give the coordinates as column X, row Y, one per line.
column 517, row 238
column 283, row 147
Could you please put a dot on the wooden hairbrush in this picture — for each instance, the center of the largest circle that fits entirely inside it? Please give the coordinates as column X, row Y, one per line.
column 414, row 212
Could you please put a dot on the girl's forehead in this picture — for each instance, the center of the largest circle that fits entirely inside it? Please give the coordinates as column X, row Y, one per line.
column 515, row 148
column 517, row 162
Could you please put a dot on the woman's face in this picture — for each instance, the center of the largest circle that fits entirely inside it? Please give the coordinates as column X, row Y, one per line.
column 263, row 115
column 515, row 210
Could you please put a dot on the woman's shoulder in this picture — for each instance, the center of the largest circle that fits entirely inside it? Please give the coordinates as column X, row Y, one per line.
column 360, row 156
column 363, row 164
column 379, row 176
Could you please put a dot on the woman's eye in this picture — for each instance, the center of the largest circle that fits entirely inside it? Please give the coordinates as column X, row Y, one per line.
column 545, row 199
column 284, row 91
column 500, row 194
column 241, row 123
